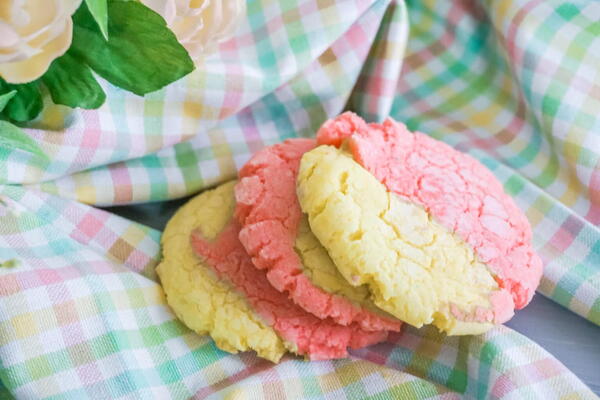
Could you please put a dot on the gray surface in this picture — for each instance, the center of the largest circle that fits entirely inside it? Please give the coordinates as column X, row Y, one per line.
column 570, row 338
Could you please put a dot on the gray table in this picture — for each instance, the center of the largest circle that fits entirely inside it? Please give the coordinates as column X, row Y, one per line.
column 570, row 338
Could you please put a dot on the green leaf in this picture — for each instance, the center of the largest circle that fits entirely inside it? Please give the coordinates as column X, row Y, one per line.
column 141, row 55
column 4, row 98
column 99, row 12
column 26, row 103
column 12, row 137
column 72, row 83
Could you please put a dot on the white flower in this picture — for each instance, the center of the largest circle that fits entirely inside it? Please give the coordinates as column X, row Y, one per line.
column 32, row 34
column 200, row 24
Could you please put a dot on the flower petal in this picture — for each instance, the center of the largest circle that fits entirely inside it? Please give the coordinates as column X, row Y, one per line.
column 8, row 36
column 34, row 67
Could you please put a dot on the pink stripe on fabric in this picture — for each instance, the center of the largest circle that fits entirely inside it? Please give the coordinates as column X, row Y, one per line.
column 275, row 24
column 503, row 386
column 244, row 41
column 91, row 132
column 137, row 260
column 567, row 232
column 369, row 355
column 357, row 34
column 9, row 285
column 73, row 334
column 512, row 48
column 74, row 215
column 593, row 214
column 525, row 375
column 455, row 14
column 89, row 374
column 233, row 95
column 431, row 52
column 253, row 366
column 69, row 273
column 91, row 135
column 39, row 277
column 49, row 276
column 250, row 132
column 308, row 8
column 106, row 238
column 586, row 85
column 516, row 123
column 34, row 278
column 122, row 183
column 58, row 293
column 89, row 225
column 66, row 311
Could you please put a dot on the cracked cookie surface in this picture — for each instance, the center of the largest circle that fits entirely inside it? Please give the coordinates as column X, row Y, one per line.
column 458, row 191
column 275, row 233
column 415, row 268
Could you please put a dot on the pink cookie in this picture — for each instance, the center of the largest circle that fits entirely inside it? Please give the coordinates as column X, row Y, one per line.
column 318, row 339
column 270, row 214
column 463, row 195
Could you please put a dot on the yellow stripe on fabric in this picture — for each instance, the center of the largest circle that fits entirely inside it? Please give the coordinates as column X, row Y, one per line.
column 85, row 191
column 25, row 325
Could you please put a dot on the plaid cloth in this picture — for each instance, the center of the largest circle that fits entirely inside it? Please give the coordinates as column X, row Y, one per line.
column 513, row 83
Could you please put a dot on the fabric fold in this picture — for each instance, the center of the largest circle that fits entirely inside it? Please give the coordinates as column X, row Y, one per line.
column 83, row 316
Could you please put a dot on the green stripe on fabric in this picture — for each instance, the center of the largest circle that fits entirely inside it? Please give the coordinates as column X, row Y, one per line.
column 488, row 354
column 457, row 67
column 4, row 392
column 310, row 387
column 531, row 150
column 312, row 104
column 158, row 189
column 276, row 112
column 295, row 29
column 567, row 11
column 116, row 102
column 416, row 389
column 350, row 376
column 98, row 348
column 567, row 286
column 188, row 161
column 114, row 342
column 514, row 185
column 267, row 60
column 594, row 314
column 307, row 378
column 550, row 172
column 458, row 377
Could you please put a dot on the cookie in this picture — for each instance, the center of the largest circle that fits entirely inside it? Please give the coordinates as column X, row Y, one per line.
column 454, row 188
column 275, row 233
column 202, row 301
column 416, row 269
column 225, row 296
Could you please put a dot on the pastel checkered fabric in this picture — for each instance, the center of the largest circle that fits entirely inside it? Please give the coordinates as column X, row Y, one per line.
column 82, row 317
column 514, row 83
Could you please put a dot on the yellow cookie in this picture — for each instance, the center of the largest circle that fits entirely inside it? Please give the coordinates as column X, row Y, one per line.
column 203, row 302
column 415, row 268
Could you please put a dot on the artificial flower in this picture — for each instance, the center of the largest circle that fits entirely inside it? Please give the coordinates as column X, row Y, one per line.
column 200, row 24
column 32, row 34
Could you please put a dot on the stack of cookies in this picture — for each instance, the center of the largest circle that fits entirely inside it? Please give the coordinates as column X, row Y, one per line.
column 328, row 244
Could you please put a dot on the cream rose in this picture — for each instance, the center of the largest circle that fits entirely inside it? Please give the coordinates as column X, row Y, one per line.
column 200, row 24
column 32, row 34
